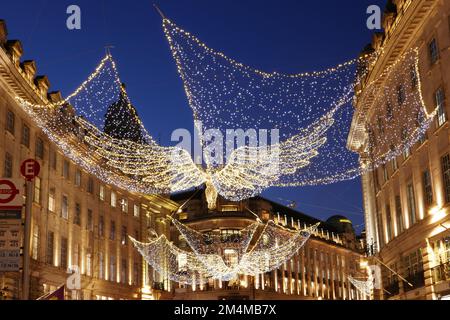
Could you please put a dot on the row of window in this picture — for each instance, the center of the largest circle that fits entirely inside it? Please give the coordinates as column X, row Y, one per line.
column 98, row 271
column 441, row 119
column 8, row 169
column 411, row 266
column 428, row 198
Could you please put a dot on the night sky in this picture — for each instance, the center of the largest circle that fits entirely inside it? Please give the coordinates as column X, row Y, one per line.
column 277, row 35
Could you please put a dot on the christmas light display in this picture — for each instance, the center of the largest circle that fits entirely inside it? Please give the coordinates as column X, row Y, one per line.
column 98, row 128
column 224, row 93
column 365, row 287
column 255, row 250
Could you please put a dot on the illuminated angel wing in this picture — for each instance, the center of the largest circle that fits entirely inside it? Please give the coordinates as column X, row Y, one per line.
column 249, row 170
column 179, row 265
column 163, row 168
column 365, row 287
column 274, row 246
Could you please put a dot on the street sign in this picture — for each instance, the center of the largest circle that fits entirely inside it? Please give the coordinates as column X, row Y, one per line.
column 10, row 235
column 30, row 169
column 11, row 196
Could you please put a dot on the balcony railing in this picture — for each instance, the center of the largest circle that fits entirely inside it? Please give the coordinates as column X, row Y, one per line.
column 441, row 272
column 417, row 280
column 392, row 289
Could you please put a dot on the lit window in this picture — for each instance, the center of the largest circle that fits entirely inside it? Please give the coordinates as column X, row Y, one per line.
column 66, row 169
column 135, row 274
column 427, row 188
column 90, row 221
column 385, row 173
column 229, row 208
column 51, row 200
column 8, row 169
column 78, row 178
column 433, row 51
column 123, row 271
column 446, row 175
column 124, row 237
column 35, row 242
column 388, row 223
column 50, row 247
column 53, row 159
column 112, row 270
column 37, row 190
column 101, row 226
column 411, row 204
column 394, row 164
column 25, row 136
column 440, row 105
column 113, row 199
column 39, row 148
column 88, row 264
column 124, row 205
column 102, row 193
column 10, row 122
column 101, row 266
column 136, row 212
column 90, row 185
column 64, row 250
column 77, row 216
column 399, row 214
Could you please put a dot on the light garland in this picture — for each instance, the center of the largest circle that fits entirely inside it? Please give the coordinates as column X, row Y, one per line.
column 224, row 93
column 219, row 258
column 311, row 110
column 365, row 287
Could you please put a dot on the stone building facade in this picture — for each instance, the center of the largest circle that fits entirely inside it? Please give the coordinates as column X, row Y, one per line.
column 78, row 222
column 407, row 200
column 319, row 270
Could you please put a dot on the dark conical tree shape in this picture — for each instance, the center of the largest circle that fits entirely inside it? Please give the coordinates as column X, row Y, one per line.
column 121, row 122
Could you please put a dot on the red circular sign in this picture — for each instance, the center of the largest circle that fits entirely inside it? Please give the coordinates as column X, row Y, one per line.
column 11, row 191
column 30, row 169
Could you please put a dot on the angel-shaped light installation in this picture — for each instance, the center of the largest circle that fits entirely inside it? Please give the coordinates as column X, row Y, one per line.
column 256, row 249
column 365, row 287
column 99, row 129
column 312, row 111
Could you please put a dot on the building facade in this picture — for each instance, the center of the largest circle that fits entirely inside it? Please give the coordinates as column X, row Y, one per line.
column 407, row 200
column 78, row 222
column 319, row 270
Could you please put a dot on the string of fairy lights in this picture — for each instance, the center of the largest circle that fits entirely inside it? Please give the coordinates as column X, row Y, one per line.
column 366, row 287
column 224, row 258
column 312, row 111
column 224, row 93
column 99, row 129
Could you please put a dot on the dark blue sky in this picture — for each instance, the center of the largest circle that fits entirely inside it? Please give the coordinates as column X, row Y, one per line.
column 274, row 35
